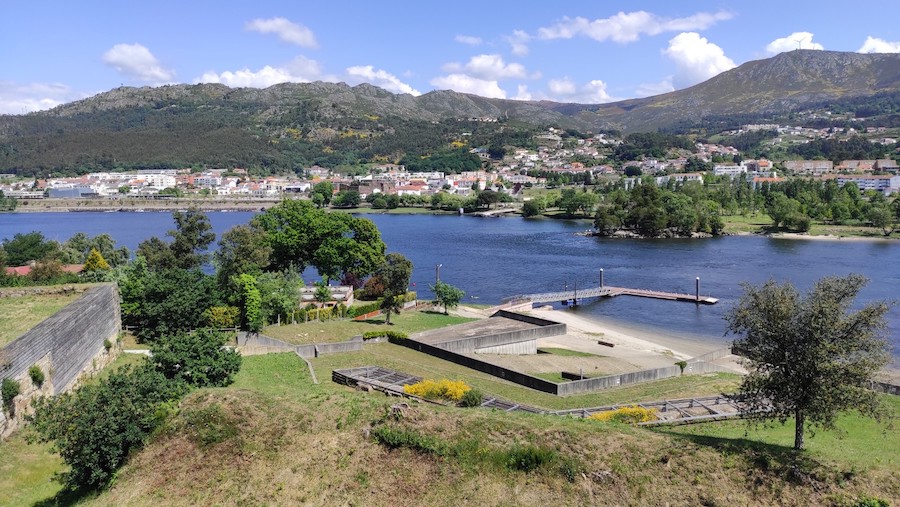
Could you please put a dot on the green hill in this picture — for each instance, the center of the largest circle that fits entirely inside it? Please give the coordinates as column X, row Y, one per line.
column 294, row 125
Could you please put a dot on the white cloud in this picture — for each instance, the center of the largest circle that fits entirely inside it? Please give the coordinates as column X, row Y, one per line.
column 796, row 40
column 471, row 40
column 286, row 30
column 300, row 70
column 629, row 26
column 696, row 59
column 650, row 89
column 137, row 62
column 380, row 78
column 522, row 93
column 487, row 67
column 518, row 42
column 467, row 84
column 566, row 90
column 876, row 45
column 21, row 99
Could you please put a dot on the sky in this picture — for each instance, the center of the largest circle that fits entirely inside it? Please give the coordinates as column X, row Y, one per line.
column 57, row 51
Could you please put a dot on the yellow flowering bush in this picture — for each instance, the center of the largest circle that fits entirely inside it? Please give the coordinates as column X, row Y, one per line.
column 443, row 389
column 633, row 415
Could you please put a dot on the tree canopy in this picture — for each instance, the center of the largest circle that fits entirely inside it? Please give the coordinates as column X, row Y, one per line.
column 334, row 243
column 394, row 273
column 809, row 357
column 447, row 295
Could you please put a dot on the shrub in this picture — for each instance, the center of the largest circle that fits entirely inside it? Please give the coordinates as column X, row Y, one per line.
column 682, row 365
column 869, row 501
column 630, row 415
column 355, row 311
column 198, row 358
column 396, row 438
column 222, row 316
column 528, row 458
column 9, row 389
column 97, row 426
column 107, row 344
column 442, row 389
column 392, row 336
column 37, row 375
column 472, row 398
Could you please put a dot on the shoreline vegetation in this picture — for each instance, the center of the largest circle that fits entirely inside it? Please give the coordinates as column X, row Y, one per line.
column 735, row 225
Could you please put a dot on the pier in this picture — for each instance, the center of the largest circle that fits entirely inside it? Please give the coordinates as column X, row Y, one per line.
column 575, row 294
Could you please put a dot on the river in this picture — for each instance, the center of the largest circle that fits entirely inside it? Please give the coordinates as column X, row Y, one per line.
column 494, row 258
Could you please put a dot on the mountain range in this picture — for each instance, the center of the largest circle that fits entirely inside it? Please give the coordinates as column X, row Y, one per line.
column 212, row 123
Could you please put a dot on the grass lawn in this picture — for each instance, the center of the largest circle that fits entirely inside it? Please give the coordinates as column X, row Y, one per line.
column 760, row 222
column 26, row 471
column 19, row 314
column 746, row 223
column 565, row 352
column 341, row 330
column 860, row 442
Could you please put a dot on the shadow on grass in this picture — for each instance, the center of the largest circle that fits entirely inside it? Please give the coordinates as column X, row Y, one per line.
column 773, row 460
column 66, row 498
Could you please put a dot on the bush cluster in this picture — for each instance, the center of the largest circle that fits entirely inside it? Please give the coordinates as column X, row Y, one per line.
column 9, row 389
column 37, row 375
column 451, row 390
column 392, row 336
column 629, row 415
column 97, row 426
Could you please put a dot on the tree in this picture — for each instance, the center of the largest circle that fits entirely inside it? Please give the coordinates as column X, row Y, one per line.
column 191, row 237
column 882, row 217
column 199, row 359
column 394, row 273
column 324, row 189
column 95, row 262
column 242, row 249
column 32, row 246
column 807, row 356
column 447, row 295
column 166, row 302
column 157, row 254
column 251, row 303
column 335, row 243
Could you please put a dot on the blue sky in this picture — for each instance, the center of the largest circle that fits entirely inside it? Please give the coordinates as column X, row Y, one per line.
column 570, row 51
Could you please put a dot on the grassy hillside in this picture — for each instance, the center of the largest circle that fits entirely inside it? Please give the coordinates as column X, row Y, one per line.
column 275, row 438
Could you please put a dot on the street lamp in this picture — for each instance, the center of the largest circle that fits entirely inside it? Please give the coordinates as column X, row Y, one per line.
column 437, row 274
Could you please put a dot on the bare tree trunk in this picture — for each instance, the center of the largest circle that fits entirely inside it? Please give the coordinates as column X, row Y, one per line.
column 799, row 421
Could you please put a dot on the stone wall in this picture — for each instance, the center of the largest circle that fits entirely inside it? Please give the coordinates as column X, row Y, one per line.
column 68, row 346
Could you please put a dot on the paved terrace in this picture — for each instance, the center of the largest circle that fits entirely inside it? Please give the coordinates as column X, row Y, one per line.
column 484, row 327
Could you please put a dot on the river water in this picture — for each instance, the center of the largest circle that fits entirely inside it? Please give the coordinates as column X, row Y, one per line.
column 494, row 258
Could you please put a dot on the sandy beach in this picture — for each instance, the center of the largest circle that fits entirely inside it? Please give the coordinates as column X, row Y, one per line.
column 632, row 350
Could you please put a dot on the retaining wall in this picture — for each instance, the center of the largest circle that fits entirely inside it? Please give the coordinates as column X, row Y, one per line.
column 520, row 378
column 67, row 346
column 261, row 344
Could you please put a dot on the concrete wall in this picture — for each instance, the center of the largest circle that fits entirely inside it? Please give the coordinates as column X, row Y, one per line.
column 469, row 345
column 592, row 384
column 261, row 344
column 516, row 349
column 67, row 346
column 334, row 348
column 520, row 378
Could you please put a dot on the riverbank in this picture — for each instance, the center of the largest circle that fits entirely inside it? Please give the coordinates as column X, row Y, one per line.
column 139, row 205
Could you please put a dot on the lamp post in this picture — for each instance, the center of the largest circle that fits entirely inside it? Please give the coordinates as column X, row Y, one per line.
column 601, row 278
column 698, row 289
column 437, row 274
